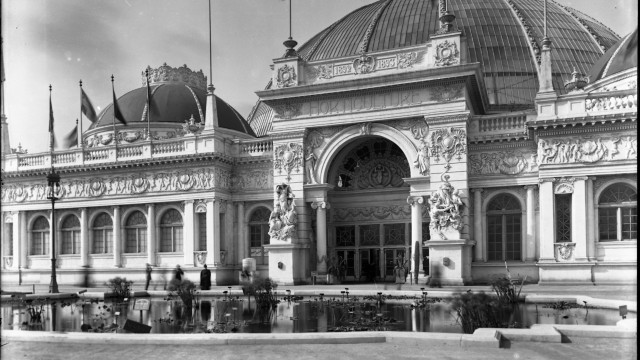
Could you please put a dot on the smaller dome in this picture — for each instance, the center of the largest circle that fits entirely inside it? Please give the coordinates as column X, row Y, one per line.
column 620, row 57
column 177, row 94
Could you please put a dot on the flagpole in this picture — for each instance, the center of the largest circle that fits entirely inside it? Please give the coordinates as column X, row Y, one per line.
column 50, row 126
column 148, row 105
column 115, row 138
column 80, row 143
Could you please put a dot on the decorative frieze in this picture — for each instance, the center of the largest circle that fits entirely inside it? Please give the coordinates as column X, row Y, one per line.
column 365, row 64
column 371, row 213
column 287, row 110
column 180, row 180
column 447, row 93
column 587, row 149
column 246, row 179
column 504, row 162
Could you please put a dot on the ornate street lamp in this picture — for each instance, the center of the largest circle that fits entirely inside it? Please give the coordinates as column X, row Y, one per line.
column 53, row 189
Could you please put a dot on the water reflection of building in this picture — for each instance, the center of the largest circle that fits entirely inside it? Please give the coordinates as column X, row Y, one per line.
column 468, row 140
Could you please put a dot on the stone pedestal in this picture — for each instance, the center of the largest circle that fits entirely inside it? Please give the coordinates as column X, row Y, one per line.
column 287, row 263
column 450, row 261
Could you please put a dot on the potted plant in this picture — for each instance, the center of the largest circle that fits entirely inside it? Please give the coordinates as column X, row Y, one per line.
column 335, row 269
column 401, row 269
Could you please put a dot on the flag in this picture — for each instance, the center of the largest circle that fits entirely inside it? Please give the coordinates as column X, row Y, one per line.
column 116, row 110
column 51, row 134
column 86, row 107
column 71, row 139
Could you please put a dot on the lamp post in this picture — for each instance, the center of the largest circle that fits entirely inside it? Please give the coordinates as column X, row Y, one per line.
column 53, row 180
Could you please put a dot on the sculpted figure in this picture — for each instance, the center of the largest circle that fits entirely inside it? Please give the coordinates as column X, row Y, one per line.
column 310, row 167
column 445, row 208
column 422, row 162
column 275, row 221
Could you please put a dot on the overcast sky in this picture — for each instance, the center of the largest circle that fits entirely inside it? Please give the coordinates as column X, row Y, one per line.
column 59, row 42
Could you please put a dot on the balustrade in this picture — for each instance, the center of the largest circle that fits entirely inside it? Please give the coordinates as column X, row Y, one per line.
column 256, row 147
column 64, row 158
column 168, row 147
column 606, row 101
column 95, row 155
column 32, row 160
column 130, row 151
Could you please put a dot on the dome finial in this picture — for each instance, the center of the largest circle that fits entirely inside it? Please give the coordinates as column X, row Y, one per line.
column 446, row 18
column 290, row 43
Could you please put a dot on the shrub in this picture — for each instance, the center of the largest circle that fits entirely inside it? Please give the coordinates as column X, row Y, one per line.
column 120, row 287
column 186, row 291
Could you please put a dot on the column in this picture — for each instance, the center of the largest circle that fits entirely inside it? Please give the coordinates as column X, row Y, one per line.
column 17, row 248
column 321, row 234
column 189, row 235
column 591, row 220
column 579, row 218
column 242, row 245
column 84, row 238
column 151, row 234
column 416, row 236
column 53, row 241
column 117, row 237
column 547, row 220
column 478, row 231
column 23, row 238
column 213, row 232
column 530, row 236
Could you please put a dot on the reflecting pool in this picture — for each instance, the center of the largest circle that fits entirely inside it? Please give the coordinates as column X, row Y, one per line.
column 290, row 315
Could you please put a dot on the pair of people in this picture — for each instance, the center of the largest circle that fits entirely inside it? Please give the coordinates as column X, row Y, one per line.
column 178, row 273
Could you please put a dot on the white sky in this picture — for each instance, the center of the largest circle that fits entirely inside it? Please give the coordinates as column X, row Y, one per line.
column 59, row 42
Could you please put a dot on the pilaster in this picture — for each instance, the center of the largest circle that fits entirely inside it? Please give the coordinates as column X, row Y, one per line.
column 478, row 231
column 530, row 236
column 579, row 218
column 243, row 247
column 24, row 240
column 84, row 238
column 151, row 234
column 17, row 245
column 117, row 237
column 417, row 271
column 547, row 220
column 189, row 233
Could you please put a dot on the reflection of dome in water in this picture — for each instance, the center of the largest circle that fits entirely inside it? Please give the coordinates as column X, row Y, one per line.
column 178, row 94
column 504, row 36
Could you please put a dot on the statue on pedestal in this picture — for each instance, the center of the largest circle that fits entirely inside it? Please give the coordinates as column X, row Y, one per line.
column 445, row 209
column 283, row 219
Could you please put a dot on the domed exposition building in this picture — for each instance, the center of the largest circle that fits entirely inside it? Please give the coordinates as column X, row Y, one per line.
column 411, row 140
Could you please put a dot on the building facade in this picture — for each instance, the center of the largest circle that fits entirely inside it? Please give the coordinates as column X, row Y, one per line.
column 444, row 139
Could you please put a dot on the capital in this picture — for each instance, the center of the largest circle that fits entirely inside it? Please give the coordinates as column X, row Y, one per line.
column 320, row 205
column 530, row 187
column 541, row 180
column 478, row 190
column 415, row 200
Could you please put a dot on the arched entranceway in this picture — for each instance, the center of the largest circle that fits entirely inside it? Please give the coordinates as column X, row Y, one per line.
column 369, row 223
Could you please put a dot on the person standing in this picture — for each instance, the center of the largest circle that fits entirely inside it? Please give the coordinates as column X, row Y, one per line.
column 178, row 273
column 148, row 271
column 205, row 278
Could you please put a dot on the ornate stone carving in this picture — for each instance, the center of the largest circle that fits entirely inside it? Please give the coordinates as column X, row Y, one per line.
column 422, row 159
column 201, row 257
column 320, row 205
column 190, row 126
column 287, row 110
column 564, row 186
column 287, row 157
column 577, row 82
column 200, row 206
column 365, row 128
column 564, row 251
column 283, row 218
column 139, row 184
column 310, row 167
column 445, row 206
column 261, row 179
column 167, row 74
column 129, row 136
column 324, row 71
column 364, row 64
column 286, row 76
column 392, row 212
column 448, row 143
column 505, row 162
column 447, row 54
column 415, row 200
column 446, row 93
column 96, row 187
column 406, row 60
column 586, row 150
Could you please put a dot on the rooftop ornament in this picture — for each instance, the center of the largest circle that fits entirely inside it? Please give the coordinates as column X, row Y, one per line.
column 577, row 82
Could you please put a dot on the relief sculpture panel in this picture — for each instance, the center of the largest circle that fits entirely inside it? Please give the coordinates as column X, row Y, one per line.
column 587, row 149
column 503, row 162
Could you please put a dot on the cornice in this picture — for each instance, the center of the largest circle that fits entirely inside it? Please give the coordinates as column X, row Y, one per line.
column 505, row 144
column 582, row 120
column 600, row 126
column 447, row 119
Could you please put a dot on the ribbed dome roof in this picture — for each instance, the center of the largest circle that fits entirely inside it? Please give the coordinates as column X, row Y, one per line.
column 177, row 94
column 620, row 57
column 496, row 37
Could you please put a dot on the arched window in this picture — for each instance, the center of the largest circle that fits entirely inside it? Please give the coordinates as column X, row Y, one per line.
column 102, row 234
column 40, row 237
column 259, row 234
column 136, row 233
column 171, row 232
column 70, row 235
column 504, row 228
column 618, row 213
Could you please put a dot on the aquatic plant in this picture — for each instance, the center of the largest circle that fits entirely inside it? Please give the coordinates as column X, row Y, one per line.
column 506, row 288
column 480, row 310
column 120, row 287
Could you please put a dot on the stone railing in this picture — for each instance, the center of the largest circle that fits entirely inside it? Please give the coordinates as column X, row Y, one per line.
column 96, row 155
column 64, row 158
column 130, row 151
column 171, row 147
column 33, row 161
column 498, row 127
column 255, row 147
column 612, row 101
